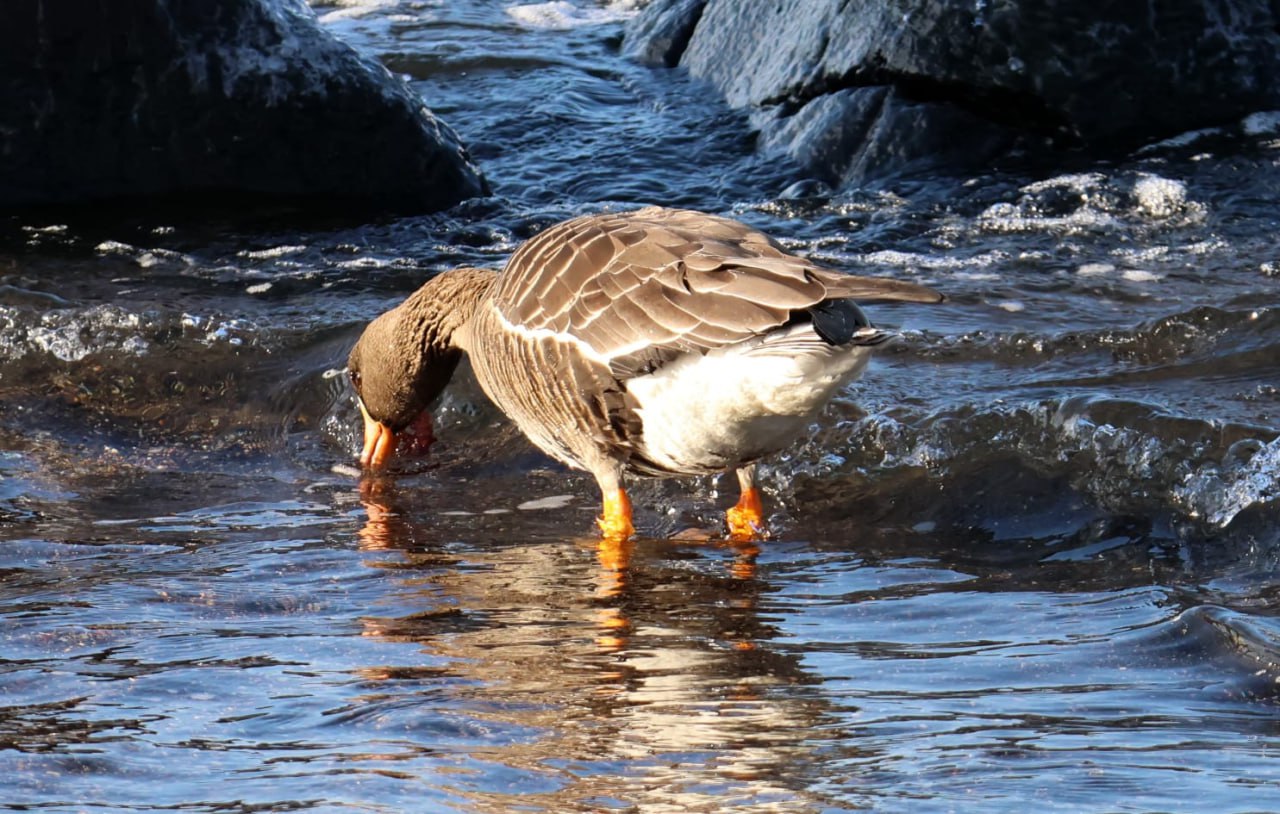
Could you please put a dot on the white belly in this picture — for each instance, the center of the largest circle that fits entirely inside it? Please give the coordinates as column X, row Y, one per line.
column 735, row 405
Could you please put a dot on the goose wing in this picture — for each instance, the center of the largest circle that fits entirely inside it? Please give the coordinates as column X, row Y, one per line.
column 635, row 289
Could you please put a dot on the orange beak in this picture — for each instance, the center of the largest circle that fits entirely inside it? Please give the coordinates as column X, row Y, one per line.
column 379, row 443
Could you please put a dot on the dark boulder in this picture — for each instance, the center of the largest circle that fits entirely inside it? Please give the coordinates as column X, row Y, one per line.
column 849, row 88
column 187, row 98
column 857, row 133
column 661, row 32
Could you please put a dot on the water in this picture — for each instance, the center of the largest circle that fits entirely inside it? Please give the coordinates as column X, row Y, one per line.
column 1027, row 564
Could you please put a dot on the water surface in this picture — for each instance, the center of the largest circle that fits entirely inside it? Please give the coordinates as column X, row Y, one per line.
column 1028, row 563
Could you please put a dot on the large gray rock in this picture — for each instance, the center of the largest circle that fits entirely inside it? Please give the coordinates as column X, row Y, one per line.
column 246, row 98
column 975, row 77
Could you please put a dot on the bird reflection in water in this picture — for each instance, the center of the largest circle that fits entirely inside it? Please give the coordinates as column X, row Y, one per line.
column 650, row 652
column 383, row 528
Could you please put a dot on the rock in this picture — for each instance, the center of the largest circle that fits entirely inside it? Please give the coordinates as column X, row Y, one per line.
column 973, row 79
column 190, row 99
column 857, row 133
column 660, row 32
column 826, row 136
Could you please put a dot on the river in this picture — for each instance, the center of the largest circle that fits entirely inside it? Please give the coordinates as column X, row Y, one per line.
column 1027, row 563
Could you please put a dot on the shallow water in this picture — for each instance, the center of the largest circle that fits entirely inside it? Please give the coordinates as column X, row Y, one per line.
column 1028, row 563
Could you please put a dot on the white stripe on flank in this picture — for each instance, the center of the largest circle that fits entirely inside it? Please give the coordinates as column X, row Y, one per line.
column 534, row 334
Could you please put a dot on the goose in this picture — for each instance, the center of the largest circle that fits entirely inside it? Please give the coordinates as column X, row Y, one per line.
column 656, row 342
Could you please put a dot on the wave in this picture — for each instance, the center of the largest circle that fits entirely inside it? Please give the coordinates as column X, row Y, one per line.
column 1126, row 457
column 560, row 14
column 1199, row 333
column 1067, row 404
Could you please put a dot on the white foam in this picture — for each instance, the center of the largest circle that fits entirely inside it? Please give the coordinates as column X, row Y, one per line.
column 1181, row 140
column 1080, row 181
column 274, row 252
column 1219, row 494
column 362, row 263
column 552, row 502
column 232, row 332
column 901, row 259
column 1006, row 218
column 1204, row 247
column 71, row 335
column 562, row 15
column 1159, row 197
column 1140, row 276
column 145, row 258
column 1140, row 256
column 114, row 247
column 353, row 9
column 1095, row 269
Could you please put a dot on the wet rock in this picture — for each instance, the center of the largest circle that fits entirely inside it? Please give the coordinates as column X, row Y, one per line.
column 857, row 133
column 661, row 31
column 846, row 88
column 247, row 99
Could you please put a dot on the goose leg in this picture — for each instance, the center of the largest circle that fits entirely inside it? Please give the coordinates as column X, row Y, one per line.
column 746, row 518
column 615, row 521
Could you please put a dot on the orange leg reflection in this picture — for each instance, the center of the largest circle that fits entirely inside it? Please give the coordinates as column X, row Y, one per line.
column 387, row 527
column 744, row 563
column 614, row 555
column 615, row 559
column 382, row 525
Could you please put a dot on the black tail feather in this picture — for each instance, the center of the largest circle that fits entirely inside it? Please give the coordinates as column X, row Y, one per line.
column 842, row 322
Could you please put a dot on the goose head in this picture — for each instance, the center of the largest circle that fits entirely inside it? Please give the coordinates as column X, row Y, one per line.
column 405, row 358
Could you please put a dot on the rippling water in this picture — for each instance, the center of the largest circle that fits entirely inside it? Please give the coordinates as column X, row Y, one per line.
column 1027, row 564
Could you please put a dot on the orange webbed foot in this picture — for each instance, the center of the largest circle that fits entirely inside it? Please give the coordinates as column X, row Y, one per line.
column 746, row 519
column 615, row 522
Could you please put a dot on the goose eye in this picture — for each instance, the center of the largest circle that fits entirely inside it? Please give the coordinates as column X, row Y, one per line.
column 355, row 379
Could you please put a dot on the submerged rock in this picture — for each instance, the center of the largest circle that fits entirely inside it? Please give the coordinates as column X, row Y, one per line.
column 861, row 90
column 240, row 98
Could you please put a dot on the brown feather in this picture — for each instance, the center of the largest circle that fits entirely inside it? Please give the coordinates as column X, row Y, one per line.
column 678, row 280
